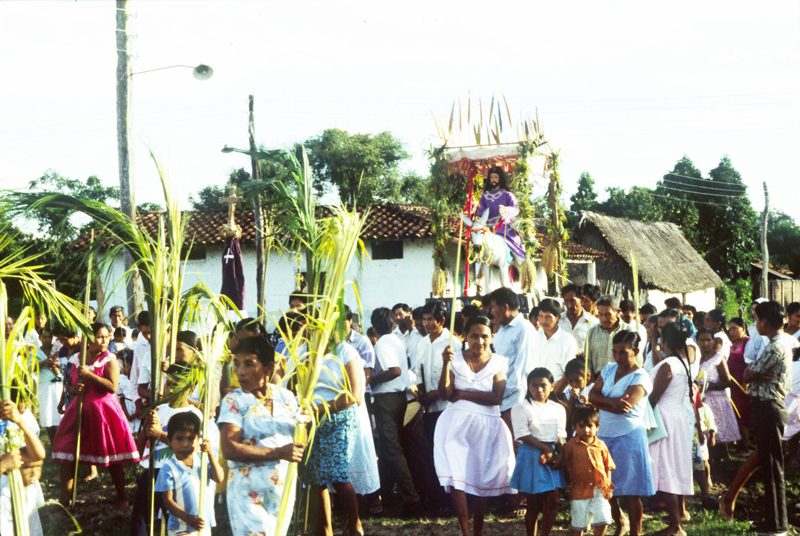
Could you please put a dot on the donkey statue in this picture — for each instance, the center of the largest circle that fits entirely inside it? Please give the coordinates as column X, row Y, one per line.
column 493, row 252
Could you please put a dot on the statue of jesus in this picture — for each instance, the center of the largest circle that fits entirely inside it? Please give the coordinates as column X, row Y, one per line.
column 501, row 204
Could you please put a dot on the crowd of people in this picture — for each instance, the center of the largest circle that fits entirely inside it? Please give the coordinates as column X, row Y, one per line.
column 585, row 399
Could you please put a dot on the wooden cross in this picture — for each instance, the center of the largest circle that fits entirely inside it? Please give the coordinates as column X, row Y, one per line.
column 231, row 201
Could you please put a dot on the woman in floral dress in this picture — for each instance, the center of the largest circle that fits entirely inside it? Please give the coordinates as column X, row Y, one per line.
column 714, row 379
column 257, row 423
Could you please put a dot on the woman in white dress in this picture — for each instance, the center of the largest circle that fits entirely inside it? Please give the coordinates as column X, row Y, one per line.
column 672, row 456
column 472, row 447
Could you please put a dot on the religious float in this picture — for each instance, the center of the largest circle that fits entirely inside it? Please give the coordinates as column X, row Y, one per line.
column 484, row 197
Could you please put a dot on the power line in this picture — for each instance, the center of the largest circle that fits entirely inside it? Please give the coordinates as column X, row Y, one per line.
column 703, row 193
column 421, row 114
column 704, row 181
column 736, row 190
column 686, row 200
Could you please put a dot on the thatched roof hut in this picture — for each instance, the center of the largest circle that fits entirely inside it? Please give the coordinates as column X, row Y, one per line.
column 666, row 260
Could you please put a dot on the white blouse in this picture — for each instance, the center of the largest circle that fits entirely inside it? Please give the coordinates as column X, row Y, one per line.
column 546, row 422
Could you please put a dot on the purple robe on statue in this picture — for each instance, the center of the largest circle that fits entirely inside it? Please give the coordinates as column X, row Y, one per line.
column 233, row 273
column 493, row 200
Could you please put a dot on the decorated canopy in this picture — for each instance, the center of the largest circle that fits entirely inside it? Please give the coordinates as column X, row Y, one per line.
column 473, row 161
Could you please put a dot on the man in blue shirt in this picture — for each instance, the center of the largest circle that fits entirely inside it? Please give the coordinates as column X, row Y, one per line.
column 516, row 341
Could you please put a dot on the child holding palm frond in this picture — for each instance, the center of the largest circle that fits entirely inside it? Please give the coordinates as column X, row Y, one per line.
column 153, row 440
column 21, row 449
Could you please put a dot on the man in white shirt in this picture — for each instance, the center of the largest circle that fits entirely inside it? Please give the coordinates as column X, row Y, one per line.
column 752, row 331
column 116, row 316
column 429, row 364
column 410, row 337
column 140, row 367
column 418, row 333
column 627, row 312
column 556, row 347
column 429, row 371
column 575, row 320
column 389, row 384
column 516, row 341
column 403, row 322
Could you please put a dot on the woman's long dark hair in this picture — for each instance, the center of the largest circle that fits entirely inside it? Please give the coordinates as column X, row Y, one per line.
column 718, row 315
column 674, row 335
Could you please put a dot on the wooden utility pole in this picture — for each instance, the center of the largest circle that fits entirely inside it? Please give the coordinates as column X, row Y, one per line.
column 764, row 248
column 258, row 215
column 135, row 300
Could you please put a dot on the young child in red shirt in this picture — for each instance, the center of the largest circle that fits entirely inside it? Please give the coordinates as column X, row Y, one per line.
column 590, row 466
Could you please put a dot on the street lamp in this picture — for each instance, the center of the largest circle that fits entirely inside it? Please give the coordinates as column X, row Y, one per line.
column 202, row 72
column 227, row 149
column 126, row 190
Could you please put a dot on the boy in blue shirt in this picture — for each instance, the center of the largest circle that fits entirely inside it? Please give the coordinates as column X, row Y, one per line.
column 179, row 478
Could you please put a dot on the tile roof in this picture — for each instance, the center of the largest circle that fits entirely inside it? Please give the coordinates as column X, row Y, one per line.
column 776, row 270
column 384, row 222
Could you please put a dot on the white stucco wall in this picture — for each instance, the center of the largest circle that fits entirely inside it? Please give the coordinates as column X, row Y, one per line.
column 703, row 300
column 381, row 283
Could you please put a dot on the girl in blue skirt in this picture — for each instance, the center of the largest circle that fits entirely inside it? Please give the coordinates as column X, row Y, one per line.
column 540, row 424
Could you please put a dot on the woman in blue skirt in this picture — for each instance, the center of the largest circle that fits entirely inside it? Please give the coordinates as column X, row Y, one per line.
column 620, row 393
column 541, row 425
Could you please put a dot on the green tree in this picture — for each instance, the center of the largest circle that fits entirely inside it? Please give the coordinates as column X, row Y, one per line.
column 410, row 189
column 638, row 203
column 783, row 240
column 207, row 199
column 714, row 214
column 362, row 167
column 57, row 221
column 59, row 232
column 149, row 207
column 585, row 198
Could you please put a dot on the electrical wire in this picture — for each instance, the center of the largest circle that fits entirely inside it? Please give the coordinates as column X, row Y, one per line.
column 687, row 200
column 706, row 181
column 700, row 193
column 733, row 190
column 420, row 114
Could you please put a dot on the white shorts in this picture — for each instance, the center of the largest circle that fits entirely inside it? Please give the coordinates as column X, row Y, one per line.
column 595, row 511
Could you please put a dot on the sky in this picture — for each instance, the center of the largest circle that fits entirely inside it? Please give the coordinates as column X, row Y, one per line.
column 622, row 89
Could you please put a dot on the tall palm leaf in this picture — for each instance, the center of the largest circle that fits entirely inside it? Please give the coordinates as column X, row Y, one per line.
column 329, row 243
column 18, row 362
column 158, row 260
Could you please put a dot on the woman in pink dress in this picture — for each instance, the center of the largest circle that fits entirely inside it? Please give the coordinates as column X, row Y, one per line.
column 714, row 380
column 105, row 438
column 736, row 366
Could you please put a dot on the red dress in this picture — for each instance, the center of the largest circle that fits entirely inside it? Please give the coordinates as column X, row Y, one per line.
column 736, row 366
column 105, row 437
